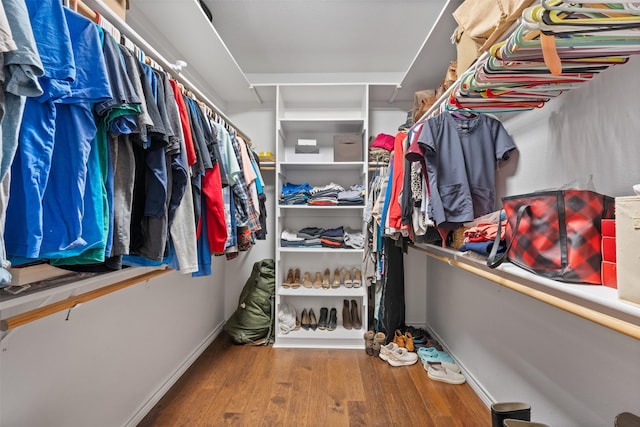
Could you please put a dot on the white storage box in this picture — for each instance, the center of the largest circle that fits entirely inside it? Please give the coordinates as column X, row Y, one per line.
column 628, row 247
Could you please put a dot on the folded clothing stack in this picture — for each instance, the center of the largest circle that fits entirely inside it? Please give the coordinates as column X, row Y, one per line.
column 325, row 195
column 289, row 239
column 311, row 236
column 353, row 196
column 333, row 238
column 353, row 239
column 295, row 194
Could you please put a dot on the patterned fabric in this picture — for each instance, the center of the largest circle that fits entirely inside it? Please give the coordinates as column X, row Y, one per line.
column 556, row 234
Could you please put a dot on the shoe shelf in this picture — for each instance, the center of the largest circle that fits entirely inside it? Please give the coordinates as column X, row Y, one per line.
column 599, row 304
column 340, row 338
column 341, row 292
column 319, row 112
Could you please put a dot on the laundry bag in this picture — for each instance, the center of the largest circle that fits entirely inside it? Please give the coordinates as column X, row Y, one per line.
column 556, row 234
column 628, row 247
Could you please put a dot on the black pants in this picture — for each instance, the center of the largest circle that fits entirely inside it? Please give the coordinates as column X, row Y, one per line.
column 392, row 305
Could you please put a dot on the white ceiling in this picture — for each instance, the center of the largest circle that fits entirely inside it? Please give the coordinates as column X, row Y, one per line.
column 253, row 44
column 324, row 36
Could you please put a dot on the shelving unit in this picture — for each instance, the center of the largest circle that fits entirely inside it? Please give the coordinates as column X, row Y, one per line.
column 319, row 112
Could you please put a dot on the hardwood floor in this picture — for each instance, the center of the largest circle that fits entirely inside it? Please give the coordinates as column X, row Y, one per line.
column 266, row 386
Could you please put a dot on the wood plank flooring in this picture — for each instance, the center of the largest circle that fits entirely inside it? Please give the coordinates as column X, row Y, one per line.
column 266, row 386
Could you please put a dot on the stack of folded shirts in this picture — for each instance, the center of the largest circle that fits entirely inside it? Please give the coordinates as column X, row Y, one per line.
column 289, row 239
column 332, row 238
column 378, row 155
column 311, row 236
column 353, row 239
column 353, row 196
column 295, row 194
column 325, row 195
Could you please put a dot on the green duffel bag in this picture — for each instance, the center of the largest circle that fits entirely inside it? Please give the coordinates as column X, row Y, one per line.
column 252, row 322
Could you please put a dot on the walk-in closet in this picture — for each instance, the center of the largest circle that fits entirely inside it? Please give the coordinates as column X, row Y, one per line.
column 312, row 212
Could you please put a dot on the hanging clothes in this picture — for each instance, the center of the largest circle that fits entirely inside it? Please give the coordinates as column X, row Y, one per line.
column 461, row 156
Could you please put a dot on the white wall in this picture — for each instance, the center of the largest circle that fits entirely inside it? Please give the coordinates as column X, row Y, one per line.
column 572, row 371
column 113, row 358
column 260, row 126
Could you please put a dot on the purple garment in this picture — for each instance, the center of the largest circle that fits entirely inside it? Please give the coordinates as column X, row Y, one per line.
column 461, row 157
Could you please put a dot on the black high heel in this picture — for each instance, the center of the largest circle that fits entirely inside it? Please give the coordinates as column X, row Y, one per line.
column 304, row 319
column 313, row 323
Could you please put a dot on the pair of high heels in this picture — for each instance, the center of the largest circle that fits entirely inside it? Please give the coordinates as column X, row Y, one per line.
column 328, row 319
column 293, row 279
column 352, row 278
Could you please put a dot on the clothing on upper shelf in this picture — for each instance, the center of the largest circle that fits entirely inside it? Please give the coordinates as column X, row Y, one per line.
column 114, row 164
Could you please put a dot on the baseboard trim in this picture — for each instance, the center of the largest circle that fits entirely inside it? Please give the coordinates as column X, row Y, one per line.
column 482, row 393
column 155, row 397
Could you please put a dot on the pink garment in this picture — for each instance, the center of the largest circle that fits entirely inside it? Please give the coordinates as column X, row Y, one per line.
column 384, row 141
column 397, row 181
column 484, row 232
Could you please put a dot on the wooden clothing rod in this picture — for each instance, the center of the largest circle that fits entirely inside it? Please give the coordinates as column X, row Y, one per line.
column 601, row 319
column 40, row 312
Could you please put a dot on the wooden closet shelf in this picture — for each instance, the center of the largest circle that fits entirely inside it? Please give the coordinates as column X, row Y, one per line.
column 598, row 304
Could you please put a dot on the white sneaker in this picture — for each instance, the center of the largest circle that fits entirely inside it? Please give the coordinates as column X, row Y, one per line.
column 402, row 357
column 440, row 373
column 387, row 350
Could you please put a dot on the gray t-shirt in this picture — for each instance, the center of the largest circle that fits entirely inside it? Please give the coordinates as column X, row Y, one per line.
column 461, row 156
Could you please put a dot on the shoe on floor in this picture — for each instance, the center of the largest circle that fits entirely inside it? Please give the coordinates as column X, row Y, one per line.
column 519, row 423
column 378, row 340
column 402, row 357
column 368, row 340
column 450, row 366
column 387, row 350
column 440, row 373
column 430, row 354
column 626, row 419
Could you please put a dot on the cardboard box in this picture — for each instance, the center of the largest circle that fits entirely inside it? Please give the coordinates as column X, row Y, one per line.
column 118, row 6
column 347, row 148
column 23, row 275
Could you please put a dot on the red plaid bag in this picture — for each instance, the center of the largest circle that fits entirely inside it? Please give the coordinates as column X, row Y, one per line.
column 556, row 234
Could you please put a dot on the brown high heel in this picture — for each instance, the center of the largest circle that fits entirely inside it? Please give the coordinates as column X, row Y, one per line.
column 336, row 279
column 317, row 283
column 357, row 278
column 348, row 283
column 296, row 278
column 325, row 279
column 306, row 280
column 289, row 280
